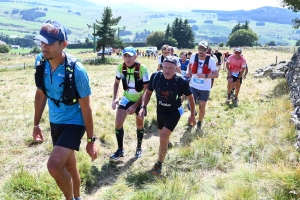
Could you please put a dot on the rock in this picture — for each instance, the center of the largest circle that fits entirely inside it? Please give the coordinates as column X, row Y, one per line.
column 260, row 75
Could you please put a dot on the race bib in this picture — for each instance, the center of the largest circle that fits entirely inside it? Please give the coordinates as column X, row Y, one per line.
column 124, row 101
column 181, row 110
column 199, row 81
column 235, row 74
column 183, row 73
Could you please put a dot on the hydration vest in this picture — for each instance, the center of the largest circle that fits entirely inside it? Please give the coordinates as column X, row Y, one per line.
column 138, row 81
column 205, row 68
column 70, row 94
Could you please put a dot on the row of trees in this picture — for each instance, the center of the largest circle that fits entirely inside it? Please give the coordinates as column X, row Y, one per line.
column 180, row 34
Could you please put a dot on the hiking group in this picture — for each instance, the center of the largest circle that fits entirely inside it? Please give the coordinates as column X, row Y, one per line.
column 63, row 83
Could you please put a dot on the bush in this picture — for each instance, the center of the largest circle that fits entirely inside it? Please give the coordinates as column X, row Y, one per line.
column 4, row 48
column 221, row 44
column 297, row 43
column 36, row 49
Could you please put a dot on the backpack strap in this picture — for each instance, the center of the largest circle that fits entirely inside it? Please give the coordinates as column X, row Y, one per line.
column 206, row 60
column 124, row 72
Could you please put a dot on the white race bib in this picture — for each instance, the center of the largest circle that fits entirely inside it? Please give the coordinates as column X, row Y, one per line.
column 183, row 73
column 235, row 74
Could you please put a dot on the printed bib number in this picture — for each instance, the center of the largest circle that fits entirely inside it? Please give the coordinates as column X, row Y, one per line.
column 124, row 101
column 235, row 74
column 183, row 73
column 199, row 81
column 181, row 110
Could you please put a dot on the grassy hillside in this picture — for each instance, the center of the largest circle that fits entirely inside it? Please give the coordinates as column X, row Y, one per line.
column 135, row 19
column 243, row 152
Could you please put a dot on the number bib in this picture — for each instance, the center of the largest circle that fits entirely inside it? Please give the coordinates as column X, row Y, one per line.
column 183, row 73
column 181, row 110
column 235, row 74
column 199, row 81
column 124, row 101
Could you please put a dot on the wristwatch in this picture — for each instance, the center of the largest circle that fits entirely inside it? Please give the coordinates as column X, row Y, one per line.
column 92, row 139
column 206, row 75
column 142, row 107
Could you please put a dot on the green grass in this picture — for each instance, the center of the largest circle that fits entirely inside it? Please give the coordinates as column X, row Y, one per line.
column 243, row 152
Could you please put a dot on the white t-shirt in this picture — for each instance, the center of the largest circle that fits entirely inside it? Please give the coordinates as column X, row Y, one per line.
column 202, row 83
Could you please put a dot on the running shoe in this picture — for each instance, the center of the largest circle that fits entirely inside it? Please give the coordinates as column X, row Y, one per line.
column 138, row 153
column 119, row 153
column 156, row 170
column 235, row 101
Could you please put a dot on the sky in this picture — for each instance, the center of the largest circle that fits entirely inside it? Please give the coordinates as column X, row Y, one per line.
column 166, row 5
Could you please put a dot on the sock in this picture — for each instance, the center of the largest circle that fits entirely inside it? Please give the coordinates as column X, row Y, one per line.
column 120, row 136
column 140, row 136
column 159, row 163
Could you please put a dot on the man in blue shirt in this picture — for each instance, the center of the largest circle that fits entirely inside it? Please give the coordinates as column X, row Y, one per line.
column 69, row 120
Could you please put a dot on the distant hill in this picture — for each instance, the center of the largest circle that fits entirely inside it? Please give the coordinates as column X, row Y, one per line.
column 211, row 25
column 266, row 14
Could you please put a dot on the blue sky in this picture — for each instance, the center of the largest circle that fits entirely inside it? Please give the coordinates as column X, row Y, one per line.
column 165, row 5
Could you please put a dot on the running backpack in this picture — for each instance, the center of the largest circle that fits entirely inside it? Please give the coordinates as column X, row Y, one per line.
column 138, row 81
column 70, row 94
column 205, row 68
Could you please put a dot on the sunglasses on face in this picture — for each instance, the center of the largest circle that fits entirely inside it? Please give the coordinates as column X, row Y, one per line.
column 202, row 49
column 165, row 52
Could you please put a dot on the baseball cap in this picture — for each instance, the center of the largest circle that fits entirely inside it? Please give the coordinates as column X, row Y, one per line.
column 51, row 32
column 170, row 59
column 237, row 49
column 130, row 51
column 203, row 43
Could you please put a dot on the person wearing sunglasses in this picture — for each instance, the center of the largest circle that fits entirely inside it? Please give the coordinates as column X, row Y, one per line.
column 169, row 86
column 236, row 65
column 68, row 120
column 165, row 52
column 202, row 68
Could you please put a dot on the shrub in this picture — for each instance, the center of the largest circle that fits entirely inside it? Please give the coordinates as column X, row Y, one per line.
column 36, row 49
column 4, row 48
column 221, row 44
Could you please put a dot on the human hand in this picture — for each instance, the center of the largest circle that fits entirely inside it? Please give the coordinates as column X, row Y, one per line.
column 141, row 113
column 91, row 149
column 37, row 134
column 200, row 75
column 131, row 110
column 192, row 120
column 114, row 104
column 244, row 76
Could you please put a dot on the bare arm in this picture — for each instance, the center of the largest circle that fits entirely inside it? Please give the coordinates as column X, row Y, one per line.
column 39, row 106
column 145, row 101
column 115, row 94
column 158, row 67
column 86, row 111
column 192, row 107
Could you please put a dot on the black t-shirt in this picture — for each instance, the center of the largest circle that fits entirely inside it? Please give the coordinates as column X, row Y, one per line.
column 218, row 55
column 168, row 92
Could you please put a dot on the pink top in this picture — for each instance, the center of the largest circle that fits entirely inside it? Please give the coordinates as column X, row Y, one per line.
column 236, row 65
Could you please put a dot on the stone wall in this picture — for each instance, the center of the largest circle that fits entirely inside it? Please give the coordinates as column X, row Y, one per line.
column 293, row 79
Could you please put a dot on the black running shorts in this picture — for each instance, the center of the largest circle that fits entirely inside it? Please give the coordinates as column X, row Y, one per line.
column 168, row 120
column 130, row 103
column 67, row 135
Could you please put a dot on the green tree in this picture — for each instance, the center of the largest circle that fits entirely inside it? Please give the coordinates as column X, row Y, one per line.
column 271, row 43
column 297, row 43
column 4, row 48
column 221, row 44
column 105, row 31
column 242, row 37
column 36, row 49
column 295, row 6
column 158, row 39
column 183, row 33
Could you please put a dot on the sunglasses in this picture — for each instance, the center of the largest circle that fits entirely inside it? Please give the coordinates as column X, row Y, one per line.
column 165, row 52
column 202, row 49
column 56, row 25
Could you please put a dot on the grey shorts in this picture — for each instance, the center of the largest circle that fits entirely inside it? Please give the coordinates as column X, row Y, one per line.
column 201, row 95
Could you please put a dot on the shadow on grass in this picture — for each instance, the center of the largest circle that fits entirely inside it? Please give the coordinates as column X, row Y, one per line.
column 139, row 179
column 280, row 89
column 108, row 174
column 150, row 128
column 189, row 135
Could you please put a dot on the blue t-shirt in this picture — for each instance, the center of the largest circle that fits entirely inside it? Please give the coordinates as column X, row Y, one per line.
column 184, row 65
column 64, row 114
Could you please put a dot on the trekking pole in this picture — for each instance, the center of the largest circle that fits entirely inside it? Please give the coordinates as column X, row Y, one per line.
column 276, row 60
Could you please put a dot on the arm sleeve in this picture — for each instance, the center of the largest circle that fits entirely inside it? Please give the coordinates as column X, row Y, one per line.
column 145, row 75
